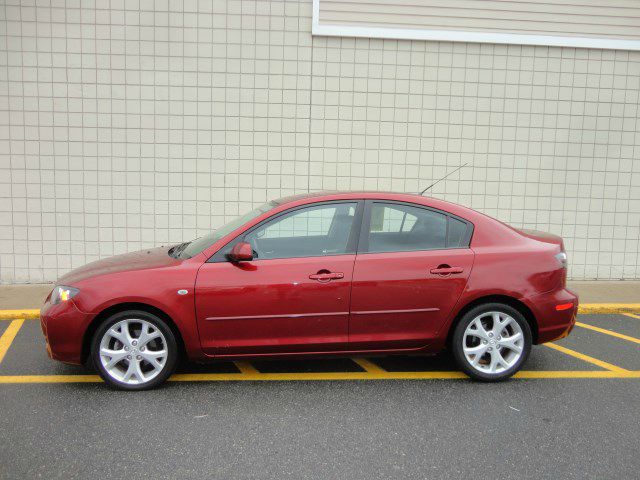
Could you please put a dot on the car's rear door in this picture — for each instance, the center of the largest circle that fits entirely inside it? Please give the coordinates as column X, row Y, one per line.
column 412, row 266
column 294, row 296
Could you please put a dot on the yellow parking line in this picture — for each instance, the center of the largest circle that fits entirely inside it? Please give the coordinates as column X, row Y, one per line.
column 608, row 332
column 578, row 374
column 586, row 358
column 246, row 368
column 368, row 365
column 50, row 379
column 632, row 315
column 316, row 376
column 8, row 336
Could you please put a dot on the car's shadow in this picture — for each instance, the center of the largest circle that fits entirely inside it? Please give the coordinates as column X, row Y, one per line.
column 392, row 363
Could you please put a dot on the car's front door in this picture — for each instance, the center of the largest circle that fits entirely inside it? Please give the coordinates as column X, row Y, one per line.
column 412, row 266
column 293, row 296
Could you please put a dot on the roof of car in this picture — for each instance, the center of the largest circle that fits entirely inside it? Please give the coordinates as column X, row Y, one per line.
column 345, row 193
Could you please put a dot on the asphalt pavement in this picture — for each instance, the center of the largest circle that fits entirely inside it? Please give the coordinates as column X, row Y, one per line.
column 56, row 426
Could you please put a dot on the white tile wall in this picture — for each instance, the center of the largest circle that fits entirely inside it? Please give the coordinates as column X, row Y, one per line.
column 127, row 124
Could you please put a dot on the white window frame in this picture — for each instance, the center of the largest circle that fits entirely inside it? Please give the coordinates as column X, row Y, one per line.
column 329, row 30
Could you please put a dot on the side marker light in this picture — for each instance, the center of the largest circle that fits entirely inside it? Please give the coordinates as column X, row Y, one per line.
column 564, row 306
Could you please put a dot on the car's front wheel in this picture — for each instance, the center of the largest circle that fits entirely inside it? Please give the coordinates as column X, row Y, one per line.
column 134, row 350
column 491, row 342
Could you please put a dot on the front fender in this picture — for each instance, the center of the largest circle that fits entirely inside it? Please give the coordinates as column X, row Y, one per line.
column 155, row 288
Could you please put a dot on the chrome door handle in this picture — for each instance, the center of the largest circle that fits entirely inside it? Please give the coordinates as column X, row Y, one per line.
column 446, row 270
column 326, row 276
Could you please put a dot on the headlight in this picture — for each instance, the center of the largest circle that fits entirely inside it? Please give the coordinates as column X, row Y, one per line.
column 63, row 294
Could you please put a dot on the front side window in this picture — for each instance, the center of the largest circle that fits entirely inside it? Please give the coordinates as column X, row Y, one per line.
column 305, row 232
column 402, row 228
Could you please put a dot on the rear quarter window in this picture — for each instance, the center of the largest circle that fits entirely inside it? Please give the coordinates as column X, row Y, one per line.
column 457, row 234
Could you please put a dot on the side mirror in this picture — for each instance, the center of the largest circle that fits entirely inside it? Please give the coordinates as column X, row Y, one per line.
column 241, row 252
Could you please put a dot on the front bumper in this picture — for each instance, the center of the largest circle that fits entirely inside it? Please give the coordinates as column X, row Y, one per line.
column 554, row 324
column 63, row 326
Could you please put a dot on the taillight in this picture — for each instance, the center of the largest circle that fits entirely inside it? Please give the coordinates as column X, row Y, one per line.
column 562, row 258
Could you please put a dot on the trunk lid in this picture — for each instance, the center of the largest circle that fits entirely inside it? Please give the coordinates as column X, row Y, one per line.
column 542, row 237
column 560, row 254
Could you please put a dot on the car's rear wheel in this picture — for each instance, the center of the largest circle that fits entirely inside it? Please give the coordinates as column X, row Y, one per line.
column 134, row 350
column 491, row 342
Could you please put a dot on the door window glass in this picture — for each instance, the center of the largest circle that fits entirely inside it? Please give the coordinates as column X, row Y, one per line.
column 306, row 232
column 457, row 233
column 398, row 228
column 391, row 220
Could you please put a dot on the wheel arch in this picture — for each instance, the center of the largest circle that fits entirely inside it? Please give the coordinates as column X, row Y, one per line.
column 121, row 307
column 505, row 299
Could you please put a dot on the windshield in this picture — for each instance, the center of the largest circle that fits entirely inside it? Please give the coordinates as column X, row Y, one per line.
column 189, row 249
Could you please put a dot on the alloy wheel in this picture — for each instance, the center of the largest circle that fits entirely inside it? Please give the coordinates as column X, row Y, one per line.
column 133, row 351
column 493, row 342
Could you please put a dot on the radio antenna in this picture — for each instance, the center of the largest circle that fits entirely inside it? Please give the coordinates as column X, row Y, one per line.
column 438, row 181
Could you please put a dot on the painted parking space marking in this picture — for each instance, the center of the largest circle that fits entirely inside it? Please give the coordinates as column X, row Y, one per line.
column 8, row 336
column 608, row 332
column 586, row 358
column 579, row 374
column 49, row 379
column 246, row 367
column 368, row 365
column 632, row 315
column 327, row 376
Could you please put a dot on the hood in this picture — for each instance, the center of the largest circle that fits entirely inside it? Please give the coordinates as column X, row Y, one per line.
column 144, row 259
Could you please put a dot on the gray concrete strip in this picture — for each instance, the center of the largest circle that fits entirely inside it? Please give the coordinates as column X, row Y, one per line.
column 14, row 297
column 621, row 291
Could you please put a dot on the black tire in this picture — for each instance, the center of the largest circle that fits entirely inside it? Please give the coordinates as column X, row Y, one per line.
column 161, row 325
column 458, row 339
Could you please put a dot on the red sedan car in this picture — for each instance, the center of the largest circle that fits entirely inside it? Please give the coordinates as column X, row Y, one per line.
column 327, row 273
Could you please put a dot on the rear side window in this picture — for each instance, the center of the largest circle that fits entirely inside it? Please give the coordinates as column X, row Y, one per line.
column 401, row 228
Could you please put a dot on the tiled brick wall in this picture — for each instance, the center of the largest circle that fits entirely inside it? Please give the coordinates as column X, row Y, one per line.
column 127, row 124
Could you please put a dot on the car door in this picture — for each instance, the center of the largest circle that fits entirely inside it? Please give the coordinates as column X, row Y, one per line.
column 293, row 296
column 412, row 266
